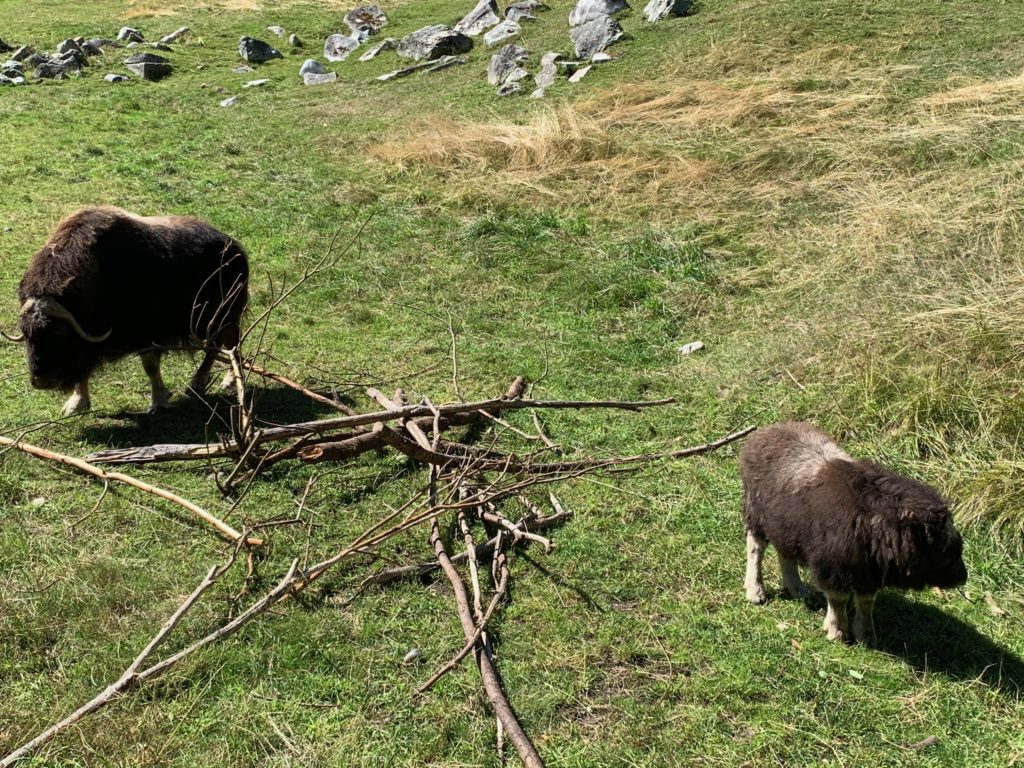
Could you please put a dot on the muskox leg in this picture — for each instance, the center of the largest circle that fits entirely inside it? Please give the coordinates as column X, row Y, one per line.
column 863, row 620
column 201, row 378
column 754, row 581
column 160, row 396
column 836, row 622
column 791, row 578
column 79, row 400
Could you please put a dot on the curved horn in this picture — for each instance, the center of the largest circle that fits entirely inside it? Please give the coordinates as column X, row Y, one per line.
column 53, row 308
column 18, row 339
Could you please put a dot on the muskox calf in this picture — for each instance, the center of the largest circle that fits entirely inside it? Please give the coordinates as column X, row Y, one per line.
column 855, row 525
column 109, row 283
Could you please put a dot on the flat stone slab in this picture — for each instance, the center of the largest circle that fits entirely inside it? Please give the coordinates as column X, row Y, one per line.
column 366, row 19
column 130, row 35
column 505, row 65
column 178, row 34
column 384, row 45
column 504, row 31
column 662, row 9
column 481, row 18
column 315, row 78
column 424, row 66
column 149, row 66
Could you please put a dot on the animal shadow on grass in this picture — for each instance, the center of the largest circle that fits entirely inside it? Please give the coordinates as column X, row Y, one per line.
column 932, row 640
column 191, row 421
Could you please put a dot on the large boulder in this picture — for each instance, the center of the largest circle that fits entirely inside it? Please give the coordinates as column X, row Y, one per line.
column 595, row 36
column 504, row 66
column 338, row 47
column 662, row 9
column 149, row 66
column 66, row 46
column 433, row 42
column 22, row 53
column 504, row 31
column 589, row 10
column 365, row 21
column 481, row 18
column 256, row 51
column 527, row 7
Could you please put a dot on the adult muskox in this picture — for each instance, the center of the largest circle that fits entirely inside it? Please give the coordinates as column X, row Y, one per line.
column 856, row 525
column 109, row 283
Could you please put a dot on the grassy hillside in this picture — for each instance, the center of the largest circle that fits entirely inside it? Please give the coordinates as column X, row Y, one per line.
column 827, row 193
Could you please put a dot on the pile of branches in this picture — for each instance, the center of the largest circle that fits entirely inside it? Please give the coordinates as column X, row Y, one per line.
column 486, row 497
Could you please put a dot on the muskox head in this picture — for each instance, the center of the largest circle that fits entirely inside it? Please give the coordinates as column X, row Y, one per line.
column 60, row 352
column 921, row 546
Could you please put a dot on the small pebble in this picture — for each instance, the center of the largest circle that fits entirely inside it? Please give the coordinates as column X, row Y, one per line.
column 411, row 656
column 256, row 83
column 38, row 501
column 690, row 348
column 229, row 102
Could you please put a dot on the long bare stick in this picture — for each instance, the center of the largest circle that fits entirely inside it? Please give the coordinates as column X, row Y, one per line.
column 129, row 678
column 83, row 466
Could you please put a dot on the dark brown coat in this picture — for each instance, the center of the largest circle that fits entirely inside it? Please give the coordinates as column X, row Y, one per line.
column 109, row 283
column 857, row 526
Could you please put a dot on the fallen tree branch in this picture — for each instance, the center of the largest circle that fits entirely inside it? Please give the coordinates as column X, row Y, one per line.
column 83, row 466
column 128, row 679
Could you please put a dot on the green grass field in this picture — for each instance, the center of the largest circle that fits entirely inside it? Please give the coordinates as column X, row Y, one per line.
column 828, row 194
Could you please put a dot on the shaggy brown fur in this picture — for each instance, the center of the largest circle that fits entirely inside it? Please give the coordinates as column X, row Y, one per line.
column 857, row 526
column 154, row 283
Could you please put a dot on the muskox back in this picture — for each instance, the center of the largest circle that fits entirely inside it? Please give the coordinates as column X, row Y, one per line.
column 156, row 281
column 109, row 283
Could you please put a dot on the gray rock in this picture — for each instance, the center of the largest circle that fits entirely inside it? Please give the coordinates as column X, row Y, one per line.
column 56, row 69
column 504, row 31
column 66, row 46
column 588, row 10
column 36, row 59
column 229, row 101
column 160, row 47
column 595, row 36
column 243, row 69
column 431, row 65
column 276, row 30
column 22, row 53
column 433, row 42
column 177, row 34
column 580, row 73
column 365, row 21
column 15, row 80
column 316, row 78
column 11, row 66
column 149, row 66
column 256, row 83
column 515, row 14
column 5, row 47
column 600, row 57
column 545, row 78
column 101, row 42
column 256, row 51
column 507, row 89
column 293, row 41
column 537, row 94
column 505, row 63
column 312, row 67
column 115, row 78
column 133, row 44
column 384, row 45
column 531, row 7
column 130, row 35
column 338, row 47
column 662, row 9
column 91, row 50
column 481, row 18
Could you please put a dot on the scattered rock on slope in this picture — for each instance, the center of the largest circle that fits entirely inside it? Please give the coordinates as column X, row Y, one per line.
column 312, row 66
column 338, row 47
column 130, row 35
column 366, row 20
column 504, row 66
column 433, row 42
column 589, row 10
column 256, row 51
column 481, row 18
column 384, row 45
column 596, row 35
column 504, row 31
column 660, row 9
column 149, row 66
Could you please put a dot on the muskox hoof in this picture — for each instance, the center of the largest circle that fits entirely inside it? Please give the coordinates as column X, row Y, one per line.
column 757, row 595
column 161, row 401
column 75, row 404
